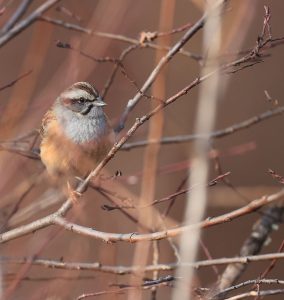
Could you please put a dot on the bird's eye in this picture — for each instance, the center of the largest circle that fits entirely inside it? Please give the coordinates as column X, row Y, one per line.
column 81, row 100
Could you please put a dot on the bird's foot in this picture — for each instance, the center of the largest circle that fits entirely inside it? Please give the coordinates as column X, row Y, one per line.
column 80, row 182
column 73, row 194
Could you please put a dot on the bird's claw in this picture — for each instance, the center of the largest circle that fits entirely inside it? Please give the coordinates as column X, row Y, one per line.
column 73, row 194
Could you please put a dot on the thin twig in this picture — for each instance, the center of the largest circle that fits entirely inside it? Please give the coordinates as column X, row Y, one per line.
column 149, row 285
column 121, row 58
column 171, row 197
column 19, row 202
column 8, row 277
column 23, row 152
column 22, row 25
column 10, row 84
column 256, row 293
column 116, row 37
column 56, row 218
column 124, row 270
column 164, row 60
column 136, row 237
column 272, row 263
column 20, row 11
column 221, row 294
column 213, row 135
column 253, row 244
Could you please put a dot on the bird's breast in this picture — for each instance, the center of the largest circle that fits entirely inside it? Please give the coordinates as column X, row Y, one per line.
column 75, row 153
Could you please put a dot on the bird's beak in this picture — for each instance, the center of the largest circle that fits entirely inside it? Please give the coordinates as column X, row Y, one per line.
column 99, row 102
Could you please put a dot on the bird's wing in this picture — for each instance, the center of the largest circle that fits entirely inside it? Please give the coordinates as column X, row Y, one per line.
column 47, row 119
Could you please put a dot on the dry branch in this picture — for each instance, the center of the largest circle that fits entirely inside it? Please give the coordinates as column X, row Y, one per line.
column 213, row 135
column 11, row 83
column 135, row 237
column 57, row 218
column 222, row 294
column 256, row 293
column 124, row 270
column 164, row 60
column 22, row 25
column 160, row 282
column 253, row 244
column 116, row 37
column 23, row 7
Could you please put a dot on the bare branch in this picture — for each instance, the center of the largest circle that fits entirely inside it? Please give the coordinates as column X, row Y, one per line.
column 257, row 293
column 14, row 31
column 243, row 284
column 272, row 263
column 57, row 218
column 136, row 237
column 124, row 270
column 253, row 244
column 163, row 281
column 10, row 84
column 112, row 36
column 21, row 10
column 171, row 197
column 213, row 135
column 164, row 60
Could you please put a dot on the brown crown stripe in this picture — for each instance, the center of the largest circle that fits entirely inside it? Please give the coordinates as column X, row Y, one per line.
column 86, row 87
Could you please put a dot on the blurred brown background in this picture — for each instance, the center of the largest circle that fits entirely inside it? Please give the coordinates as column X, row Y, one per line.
column 53, row 69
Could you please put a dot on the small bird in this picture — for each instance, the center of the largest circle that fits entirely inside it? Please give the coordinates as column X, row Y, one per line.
column 76, row 133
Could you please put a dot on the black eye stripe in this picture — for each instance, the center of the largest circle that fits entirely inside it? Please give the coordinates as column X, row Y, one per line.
column 84, row 100
column 80, row 100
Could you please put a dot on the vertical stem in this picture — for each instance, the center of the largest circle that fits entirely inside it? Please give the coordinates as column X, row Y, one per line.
column 205, row 118
column 152, row 150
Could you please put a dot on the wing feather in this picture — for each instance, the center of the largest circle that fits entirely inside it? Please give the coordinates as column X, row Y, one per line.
column 47, row 119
